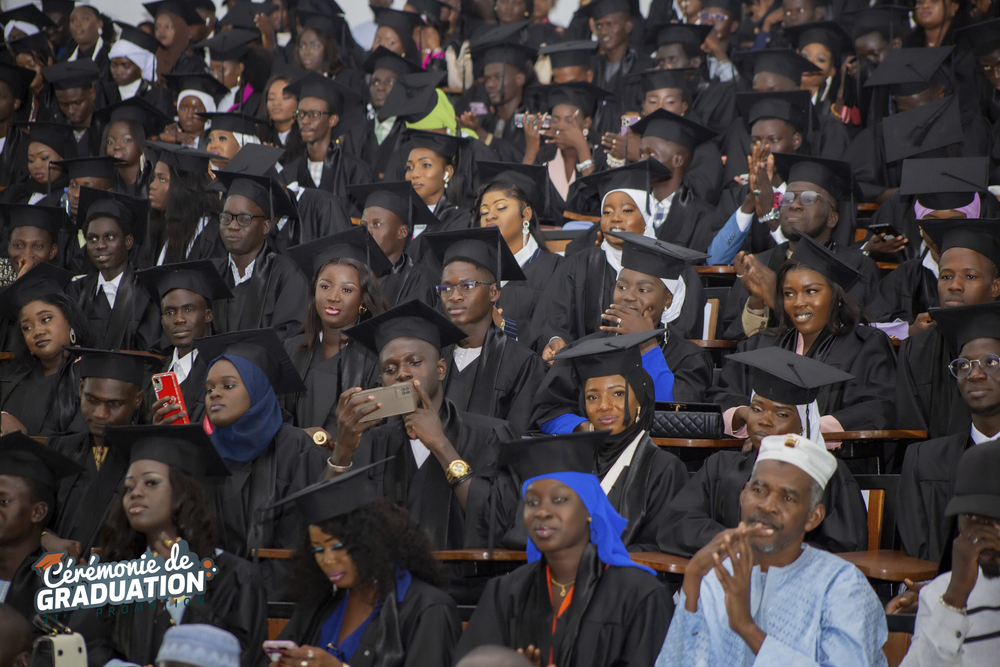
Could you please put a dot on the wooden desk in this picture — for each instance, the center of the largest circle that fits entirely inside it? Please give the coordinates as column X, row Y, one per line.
column 721, row 269
column 688, row 443
column 891, row 565
column 569, row 215
column 6, row 356
column 666, row 563
column 481, row 555
column 876, row 435
column 886, row 447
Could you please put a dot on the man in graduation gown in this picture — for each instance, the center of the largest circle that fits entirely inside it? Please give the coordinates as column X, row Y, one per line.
column 14, row 84
column 436, row 449
column 97, row 173
column 268, row 289
column 612, row 20
column 382, row 135
column 184, row 294
column 490, row 373
column 73, row 83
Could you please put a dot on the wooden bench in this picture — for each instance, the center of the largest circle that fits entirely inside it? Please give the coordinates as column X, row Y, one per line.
column 886, row 447
column 691, row 443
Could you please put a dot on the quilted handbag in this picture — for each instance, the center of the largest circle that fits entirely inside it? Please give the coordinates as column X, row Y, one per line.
column 695, row 421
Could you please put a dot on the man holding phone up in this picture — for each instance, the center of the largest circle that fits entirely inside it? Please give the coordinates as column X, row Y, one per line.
column 438, row 450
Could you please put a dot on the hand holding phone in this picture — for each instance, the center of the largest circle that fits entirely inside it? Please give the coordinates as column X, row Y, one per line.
column 274, row 647
column 165, row 385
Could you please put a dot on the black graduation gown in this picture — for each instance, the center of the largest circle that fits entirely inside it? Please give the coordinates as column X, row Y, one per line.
column 710, row 503
column 233, row 601
column 519, row 298
column 623, row 620
column 689, row 222
column 409, row 280
column 927, row 396
column 134, row 322
column 45, row 405
column 926, row 485
column 21, row 593
column 500, row 383
column 865, row 403
column 14, row 159
column 908, row 290
column 464, row 185
column 321, row 214
column 326, row 379
column 714, row 104
column 276, row 296
column 704, row 174
column 340, row 169
column 377, row 154
column 424, row 626
column 618, row 84
column 425, row 491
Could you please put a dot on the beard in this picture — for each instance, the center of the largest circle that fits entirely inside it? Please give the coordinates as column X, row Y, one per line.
column 775, row 543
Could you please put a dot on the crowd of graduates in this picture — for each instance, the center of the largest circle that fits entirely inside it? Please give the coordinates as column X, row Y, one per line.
column 227, row 228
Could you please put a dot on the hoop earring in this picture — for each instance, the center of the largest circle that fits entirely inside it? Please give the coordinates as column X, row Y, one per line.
column 525, row 232
column 72, row 336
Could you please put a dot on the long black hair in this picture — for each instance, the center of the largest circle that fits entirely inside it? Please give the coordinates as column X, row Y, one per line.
column 371, row 295
column 78, row 323
column 187, row 202
column 844, row 315
column 510, row 191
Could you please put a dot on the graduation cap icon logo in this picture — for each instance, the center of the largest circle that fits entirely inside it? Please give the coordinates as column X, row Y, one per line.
column 47, row 561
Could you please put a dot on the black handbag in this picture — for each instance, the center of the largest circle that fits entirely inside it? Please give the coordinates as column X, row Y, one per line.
column 694, row 421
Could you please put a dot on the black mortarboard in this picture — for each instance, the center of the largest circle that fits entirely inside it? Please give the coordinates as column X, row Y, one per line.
column 412, row 97
column 334, row 497
column 658, row 79
column 259, row 160
column 182, row 158
column 183, row 446
column 140, row 38
column 654, row 257
column 399, row 197
column 547, row 455
column 323, row 23
column 581, row 94
column 57, row 136
column 355, row 243
column 233, row 122
column 604, row 356
column 28, row 13
column 138, row 110
column 979, row 234
column 262, row 348
column 890, row 21
column 530, row 178
column 262, row 190
column 39, row 281
column 601, row 8
column 687, row 34
column 58, row 6
column 785, row 377
column 180, row 8
column 503, row 44
column 834, row 176
column 570, row 54
column 102, row 166
column 430, row 10
column 784, row 62
column 484, row 246
column 199, row 276
column 735, row 7
column 21, row 456
column 984, row 37
column 792, row 106
column 828, row 33
column 404, row 23
column 128, row 367
column 38, row 42
column 976, row 491
column 444, row 145
column 927, row 128
column 671, row 127
column 200, row 81
column 241, row 15
column 321, row 87
column 383, row 58
column 945, row 183
column 229, row 45
column 50, row 218
column 909, row 71
column 962, row 324
column 818, row 258
column 635, row 176
column 413, row 319
column 71, row 74
column 132, row 213
column 18, row 78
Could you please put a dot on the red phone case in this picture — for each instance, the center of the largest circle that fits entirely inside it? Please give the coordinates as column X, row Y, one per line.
column 166, row 384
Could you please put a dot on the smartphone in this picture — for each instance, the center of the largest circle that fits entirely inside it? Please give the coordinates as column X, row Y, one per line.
column 274, row 647
column 519, row 120
column 628, row 120
column 884, row 227
column 399, row 399
column 166, row 384
column 478, row 109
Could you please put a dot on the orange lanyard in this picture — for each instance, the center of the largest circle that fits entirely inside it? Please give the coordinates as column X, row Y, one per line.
column 562, row 607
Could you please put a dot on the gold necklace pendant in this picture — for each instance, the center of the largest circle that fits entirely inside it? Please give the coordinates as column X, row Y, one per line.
column 563, row 588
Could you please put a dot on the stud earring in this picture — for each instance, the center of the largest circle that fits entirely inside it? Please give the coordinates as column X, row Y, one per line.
column 586, row 132
column 362, row 310
column 525, row 232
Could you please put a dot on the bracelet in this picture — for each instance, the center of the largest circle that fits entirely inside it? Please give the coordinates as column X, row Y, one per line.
column 614, row 162
column 770, row 215
column 336, row 468
column 461, row 479
column 584, row 166
column 957, row 610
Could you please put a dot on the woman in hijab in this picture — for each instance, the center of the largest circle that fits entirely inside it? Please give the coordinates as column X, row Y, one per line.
column 785, row 388
column 48, row 142
column 133, row 69
column 580, row 600
column 199, row 94
column 173, row 32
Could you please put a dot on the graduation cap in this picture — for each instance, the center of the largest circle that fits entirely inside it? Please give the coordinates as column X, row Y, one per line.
column 503, row 44
column 735, row 7
column 983, row 36
column 398, row 197
column 909, row 71
column 131, row 213
column 412, row 97
column 547, row 455
column 604, row 356
column 355, row 243
column 654, row 257
column 671, row 127
column 58, row 6
column 137, row 110
column 834, row 176
column 182, row 158
column 581, row 94
column 635, row 176
column 71, row 74
column 29, row 43
column 139, row 37
column 334, row 497
column 323, row 23
column 658, row 79
column 430, row 10
column 819, row 258
column 128, row 367
column 927, row 128
column 262, row 348
column 261, row 190
column 183, row 446
column 57, row 136
column 383, row 58
column 233, row 122
column 413, row 319
column 52, row 219
column 103, row 166
column 404, row 23
column 600, row 8
column 975, row 489
column 39, row 281
column 199, row 82
column 529, row 178
column 482, row 246
column 27, row 14
column 962, row 324
column 444, row 145
column 229, row 45
column 785, row 377
column 784, row 62
column 241, row 15
column 18, row 78
column 179, row 8
column 945, row 183
column 200, row 277
column 21, row 456
column 828, row 33
column 570, row 54
column 890, row 21
column 689, row 35
column 321, row 87
column 792, row 106
column 979, row 234
column 255, row 159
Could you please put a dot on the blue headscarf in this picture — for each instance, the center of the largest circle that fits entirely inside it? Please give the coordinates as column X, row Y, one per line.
column 606, row 525
column 249, row 436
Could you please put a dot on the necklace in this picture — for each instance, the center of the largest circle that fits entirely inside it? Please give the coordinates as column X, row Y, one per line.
column 563, row 588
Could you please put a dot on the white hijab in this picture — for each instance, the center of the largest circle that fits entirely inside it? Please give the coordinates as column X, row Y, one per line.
column 142, row 58
column 207, row 100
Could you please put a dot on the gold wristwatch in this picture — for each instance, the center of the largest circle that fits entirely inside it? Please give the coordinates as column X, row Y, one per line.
column 456, row 470
column 319, row 437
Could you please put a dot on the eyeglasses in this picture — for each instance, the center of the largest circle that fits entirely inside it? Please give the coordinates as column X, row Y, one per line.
column 709, row 16
column 962, row 368
column 465, row 287
column 806, row 198
column 311, row 115
column 242, row 219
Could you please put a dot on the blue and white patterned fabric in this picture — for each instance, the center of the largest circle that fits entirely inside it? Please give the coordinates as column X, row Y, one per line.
column 199, row 645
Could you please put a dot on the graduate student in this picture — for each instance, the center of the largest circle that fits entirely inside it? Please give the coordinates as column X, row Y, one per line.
column 430, row 166
column 73, row 84
column 382, row 136
column 580, row 600
column 228, row 53
column 785, row 388
column 228, row 132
